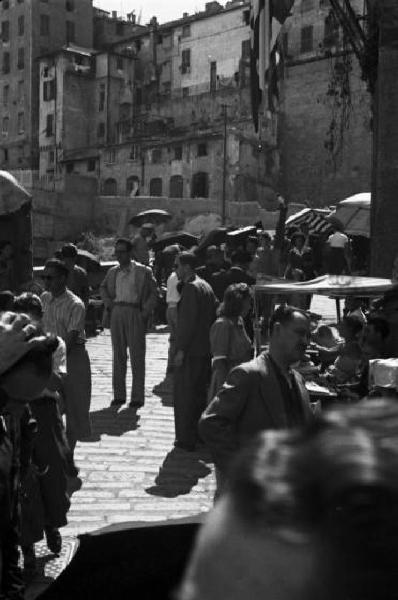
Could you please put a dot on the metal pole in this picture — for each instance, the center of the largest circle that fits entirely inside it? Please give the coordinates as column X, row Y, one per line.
column 224, row 173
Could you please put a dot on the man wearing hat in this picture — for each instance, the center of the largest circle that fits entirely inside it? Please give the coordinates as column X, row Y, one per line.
column 140, row 251
column 77, row 281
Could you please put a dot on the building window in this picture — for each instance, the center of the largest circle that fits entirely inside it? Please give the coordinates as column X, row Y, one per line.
column 91, row 164
column 70, row 5
column 21, row 122
column 202, row 149
column 186, row 61
column 178, row 153
column 101, row 100
column 6, row 4
column 156, row 156
column 331, row 32
column 285, row 43
column 51, row 157
column 21, row 25
column 21, row 58
column 155, row 186
column 134, row 152
column 5, row 125
column 185, row 91
column 213, row 76
column 119, row 63
column 5, row 31
column 49, row 90
column 70, row 32
column 101, row 130
column 119, row 28
column 110, row 187
column 21, row 91
column 49, row 125
column 176, row 186
column 70, row 166
column 110, row 156
column 44, row 25
column 200, row 185
column 186, row 30
column 246, row 17
column 6, row 62
column 6, row 95
column 307, row 38
column 246, row 49
column 133, row 186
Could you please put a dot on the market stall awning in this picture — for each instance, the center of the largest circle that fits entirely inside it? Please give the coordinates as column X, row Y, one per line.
column 354, row 214
column 315, row 218
column 337, row 286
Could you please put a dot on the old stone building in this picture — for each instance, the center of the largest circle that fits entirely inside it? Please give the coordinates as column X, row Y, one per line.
column 30, row 28
column 325, row 118
column 192, row 134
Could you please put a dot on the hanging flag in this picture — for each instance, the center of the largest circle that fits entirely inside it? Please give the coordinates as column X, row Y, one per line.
column 266, row 20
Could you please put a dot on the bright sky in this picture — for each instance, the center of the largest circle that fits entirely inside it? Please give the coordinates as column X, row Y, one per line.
column 163, row 10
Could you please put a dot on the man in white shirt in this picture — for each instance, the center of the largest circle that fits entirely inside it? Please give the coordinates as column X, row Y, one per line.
column 129, row 294
column 338, row 253
column 172, row 298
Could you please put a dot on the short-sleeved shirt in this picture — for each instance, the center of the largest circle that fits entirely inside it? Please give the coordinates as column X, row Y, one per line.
column 229, row 341
column 338, row 240
column 63, row 314
column 173, row 295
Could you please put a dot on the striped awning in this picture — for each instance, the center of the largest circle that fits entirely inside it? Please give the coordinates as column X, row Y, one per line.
column 315, row 218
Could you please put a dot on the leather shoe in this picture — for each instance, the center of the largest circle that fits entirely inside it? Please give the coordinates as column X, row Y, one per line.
column 136, row 405
column 184, row 446
column 117, row 402
column 53, row 539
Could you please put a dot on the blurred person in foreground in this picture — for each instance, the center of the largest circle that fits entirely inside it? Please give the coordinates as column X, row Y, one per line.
column 64, row 316
column 25, row 369
column 229, row 343
column 265, row 393
column 308, row 514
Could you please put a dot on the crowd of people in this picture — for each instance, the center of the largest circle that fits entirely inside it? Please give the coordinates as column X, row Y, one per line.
column 224, row 397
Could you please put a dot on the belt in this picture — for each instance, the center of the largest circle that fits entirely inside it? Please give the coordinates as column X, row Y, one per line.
column 131, row 304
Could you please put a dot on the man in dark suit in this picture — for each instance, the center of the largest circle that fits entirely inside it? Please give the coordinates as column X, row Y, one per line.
column 237, row 273
column 264, row 393
column 196, row 313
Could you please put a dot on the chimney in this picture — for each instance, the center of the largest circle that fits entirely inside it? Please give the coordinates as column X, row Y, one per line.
column 185, row 15
column 114, row 14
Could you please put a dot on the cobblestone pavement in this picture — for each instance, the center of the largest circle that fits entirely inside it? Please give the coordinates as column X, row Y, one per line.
column 129, row 468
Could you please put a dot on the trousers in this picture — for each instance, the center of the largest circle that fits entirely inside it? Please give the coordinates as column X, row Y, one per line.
column 77, row 388
column 171, row 315
column 191, row 381
column 128, row 329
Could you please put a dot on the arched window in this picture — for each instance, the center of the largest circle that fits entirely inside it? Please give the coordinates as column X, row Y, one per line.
column 176, row 186
column 132, row 186
column 155, row 187
column 200, row 185
column 110, row 187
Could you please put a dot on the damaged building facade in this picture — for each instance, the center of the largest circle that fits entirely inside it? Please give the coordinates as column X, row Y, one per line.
column 164, row 112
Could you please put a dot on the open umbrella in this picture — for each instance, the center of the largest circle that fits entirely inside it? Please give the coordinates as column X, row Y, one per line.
column 87, row 260
column 12, row 193
column 175, row 237
column 215, row 237
column 315, row 218
column 154, row 215
column 354, row 214
column 239, row 236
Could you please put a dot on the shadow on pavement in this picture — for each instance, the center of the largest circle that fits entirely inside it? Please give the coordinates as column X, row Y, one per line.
column 112, row 422
column 164, row 390
column 179, row 473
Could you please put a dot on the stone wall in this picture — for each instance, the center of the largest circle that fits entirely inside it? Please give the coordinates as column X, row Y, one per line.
column 308, row 173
